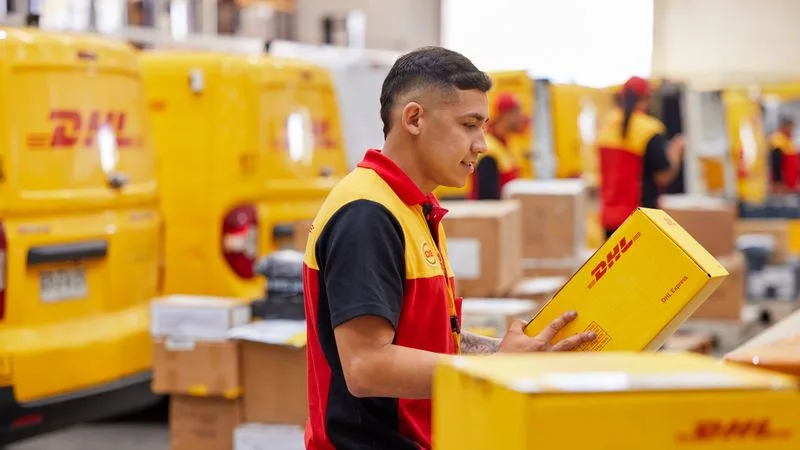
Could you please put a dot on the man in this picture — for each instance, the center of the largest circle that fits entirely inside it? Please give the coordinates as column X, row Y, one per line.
column 499, row 165
column 784, row 158
column 636, row 162
column 378, row 287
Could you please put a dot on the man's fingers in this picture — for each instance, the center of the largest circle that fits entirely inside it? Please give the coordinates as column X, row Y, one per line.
column 518, row 326
column 555, row 326
column 573, row 342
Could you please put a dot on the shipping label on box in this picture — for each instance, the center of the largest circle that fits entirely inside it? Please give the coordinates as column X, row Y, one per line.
column 273, row 364
column 635, row 291
column 197, row 316
column 622, row 400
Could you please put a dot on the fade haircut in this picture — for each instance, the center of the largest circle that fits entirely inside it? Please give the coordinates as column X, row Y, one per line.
column 429, row 67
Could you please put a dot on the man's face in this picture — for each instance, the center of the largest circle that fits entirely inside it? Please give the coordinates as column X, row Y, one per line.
column 452, row 137
column 516, row 120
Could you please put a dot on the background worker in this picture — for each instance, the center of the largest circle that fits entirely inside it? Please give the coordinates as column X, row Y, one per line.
column 784, row 158
column 379, row 300
column 499, row 165
column 636, row 162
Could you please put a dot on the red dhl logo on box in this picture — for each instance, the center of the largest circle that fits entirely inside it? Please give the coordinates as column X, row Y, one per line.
column 619, row 249
column 733, row 430
column 72, row 129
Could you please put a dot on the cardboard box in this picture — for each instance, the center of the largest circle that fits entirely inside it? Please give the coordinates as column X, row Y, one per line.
column 257, row 436
column 197, row 316
column 492, row 316
column 198, row 368
column 695, row 342
column 538, row 289
column 727, row 301
column 711, row 221
column 637, row 289
column 208, row 423
column 786, row 328
column 483, row 246
column 782, row 355
column 553, row 214
column 274, row 374
column 775, row 231
column 656, row 401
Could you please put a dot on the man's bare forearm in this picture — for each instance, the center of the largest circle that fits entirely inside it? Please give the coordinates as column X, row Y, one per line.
column 475, row 343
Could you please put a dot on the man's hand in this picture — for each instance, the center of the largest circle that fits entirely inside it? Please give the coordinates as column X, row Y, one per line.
column 675, row 150
column 515, row 340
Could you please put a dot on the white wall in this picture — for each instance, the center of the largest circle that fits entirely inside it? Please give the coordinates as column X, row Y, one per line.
column 391, row 24
column 726, row 40
column 593, row 42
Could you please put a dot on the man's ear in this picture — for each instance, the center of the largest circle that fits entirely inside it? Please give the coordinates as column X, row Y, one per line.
column 411, row 118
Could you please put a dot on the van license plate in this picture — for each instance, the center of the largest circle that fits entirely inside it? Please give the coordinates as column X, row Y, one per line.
column 62, row 284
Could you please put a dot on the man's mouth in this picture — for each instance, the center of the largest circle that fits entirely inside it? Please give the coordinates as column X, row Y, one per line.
column 470, row 164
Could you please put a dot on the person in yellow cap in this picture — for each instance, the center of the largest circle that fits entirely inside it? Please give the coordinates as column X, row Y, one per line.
column 499, row 165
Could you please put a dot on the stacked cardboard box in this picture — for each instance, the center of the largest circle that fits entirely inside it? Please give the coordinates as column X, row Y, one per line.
column 712, row 222
column 198, row 366
column 222, row 371
column 554, row 225
column 484, row 246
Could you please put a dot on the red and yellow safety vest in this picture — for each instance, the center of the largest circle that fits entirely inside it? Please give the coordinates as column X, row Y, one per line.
column 790, row 158
column 622, row 164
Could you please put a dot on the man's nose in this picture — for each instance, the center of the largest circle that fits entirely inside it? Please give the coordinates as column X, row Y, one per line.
column 479, row 146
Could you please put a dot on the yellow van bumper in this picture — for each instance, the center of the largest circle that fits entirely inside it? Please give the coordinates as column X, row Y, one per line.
column 61, row 358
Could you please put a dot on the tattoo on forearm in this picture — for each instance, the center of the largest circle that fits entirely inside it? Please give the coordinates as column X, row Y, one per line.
column 475, row 343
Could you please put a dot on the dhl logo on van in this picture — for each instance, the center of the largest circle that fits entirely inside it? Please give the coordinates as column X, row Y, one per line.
column 612, row 257
column 721, row 430
column 71, row 129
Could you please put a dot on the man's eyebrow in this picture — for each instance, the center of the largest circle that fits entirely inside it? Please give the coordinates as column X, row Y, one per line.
column 477, row 116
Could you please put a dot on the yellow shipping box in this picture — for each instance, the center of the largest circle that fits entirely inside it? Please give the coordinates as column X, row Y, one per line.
column 611, row 401
column 638, row 288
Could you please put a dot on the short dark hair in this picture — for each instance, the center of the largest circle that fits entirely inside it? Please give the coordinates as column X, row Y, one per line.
column 434, row 66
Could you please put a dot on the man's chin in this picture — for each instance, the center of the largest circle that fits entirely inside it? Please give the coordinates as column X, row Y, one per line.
column 454, row 184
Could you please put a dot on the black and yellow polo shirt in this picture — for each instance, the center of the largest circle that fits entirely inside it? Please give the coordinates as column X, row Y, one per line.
column 376, row 247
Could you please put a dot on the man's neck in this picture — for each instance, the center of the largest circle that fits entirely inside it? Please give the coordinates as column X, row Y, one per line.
column 406, row 162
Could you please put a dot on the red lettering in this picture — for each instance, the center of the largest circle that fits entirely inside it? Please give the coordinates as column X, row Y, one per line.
column 611, row 257
column 65, row 134
column 95, row 124
column 69, row 130
column 710, row 430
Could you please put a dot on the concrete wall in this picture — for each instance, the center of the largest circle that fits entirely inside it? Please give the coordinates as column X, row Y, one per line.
column 392, row 25
column 726, row 40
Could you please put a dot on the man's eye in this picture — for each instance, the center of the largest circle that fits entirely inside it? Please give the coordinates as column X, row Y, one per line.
column 471, row 126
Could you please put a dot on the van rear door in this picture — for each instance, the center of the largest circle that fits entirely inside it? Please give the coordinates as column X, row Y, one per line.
column 80, row 194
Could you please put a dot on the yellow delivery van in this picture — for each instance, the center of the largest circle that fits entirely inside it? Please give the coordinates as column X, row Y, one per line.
column 247, row 147
column 80, row 232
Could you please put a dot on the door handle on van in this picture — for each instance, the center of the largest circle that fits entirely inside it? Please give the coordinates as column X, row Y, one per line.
column 116, row 180
column 67, row 252
column 325, row 172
